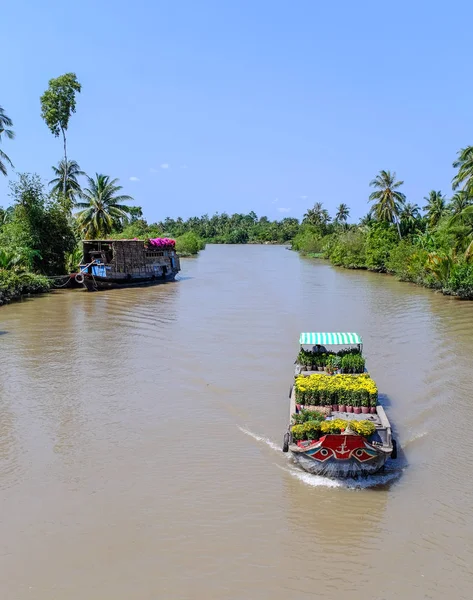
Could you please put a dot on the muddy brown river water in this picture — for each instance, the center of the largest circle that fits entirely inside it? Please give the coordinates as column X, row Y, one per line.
column 140, row 435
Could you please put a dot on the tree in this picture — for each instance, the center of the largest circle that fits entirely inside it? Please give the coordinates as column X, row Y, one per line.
column 58, row 103
column 343, row 212
column 66, row 173
column 38, row 231
column 464, row 164
column 387, row 198
column 459, row 202
column 5, row 123
column 409, row 217
column 317, row 216
column 102, row 207
column 464, row 221
column 435, row 208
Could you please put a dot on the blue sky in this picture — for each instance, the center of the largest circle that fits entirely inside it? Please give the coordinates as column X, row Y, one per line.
column 242, row 105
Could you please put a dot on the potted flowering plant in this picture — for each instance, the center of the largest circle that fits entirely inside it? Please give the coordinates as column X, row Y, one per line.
column 365, row 404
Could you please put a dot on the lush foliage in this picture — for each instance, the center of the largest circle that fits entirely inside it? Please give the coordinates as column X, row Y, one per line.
column 434, row 249
column 305, row 415
column 324, row 390
column 347, row 360
column 65, row 185
column 14, row 285
column 102, row 207
column 189, row 244
column 37, row 234
column 58, row 103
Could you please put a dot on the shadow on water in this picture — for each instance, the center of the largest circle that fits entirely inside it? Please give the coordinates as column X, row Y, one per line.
column 384, row 400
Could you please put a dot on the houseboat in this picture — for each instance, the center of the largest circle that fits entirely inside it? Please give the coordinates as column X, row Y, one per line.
column 336, row 428
column 122, row 263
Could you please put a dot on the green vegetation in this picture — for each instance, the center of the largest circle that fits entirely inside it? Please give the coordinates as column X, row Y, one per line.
column 189, row 244
column 15, row 285
column 58, row 103
column 434, row 249
column 102, row 208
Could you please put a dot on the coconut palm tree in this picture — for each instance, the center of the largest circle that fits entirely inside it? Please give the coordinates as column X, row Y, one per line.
column 387, row 198
column 464, row 164
column 459, row 202
column 66, row 179
column 409, row 217
column 317, row 216
column 343, row 212
column 5, row 123
column 435, row 208
column 102, row 207
column 464, row 222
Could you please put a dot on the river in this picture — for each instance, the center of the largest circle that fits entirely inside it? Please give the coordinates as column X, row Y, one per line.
column 140, row 435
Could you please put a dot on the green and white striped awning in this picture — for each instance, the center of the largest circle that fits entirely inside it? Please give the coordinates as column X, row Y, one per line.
column 327, row 339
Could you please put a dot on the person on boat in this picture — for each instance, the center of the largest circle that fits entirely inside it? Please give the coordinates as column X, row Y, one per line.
column 319, row 349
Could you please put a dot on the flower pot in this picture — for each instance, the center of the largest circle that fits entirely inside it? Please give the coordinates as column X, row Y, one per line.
column 373, row 410
column 349, row 409
column 335, row 407
column 342, row 408
column 357, row 410
column 320, row 368
column 365, row 410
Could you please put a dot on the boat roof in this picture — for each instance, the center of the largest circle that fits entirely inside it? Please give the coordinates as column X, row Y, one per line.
column 329, row 339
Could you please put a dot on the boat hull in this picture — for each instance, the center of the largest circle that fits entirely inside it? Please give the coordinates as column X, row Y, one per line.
column 340, row 456
column 95, row 283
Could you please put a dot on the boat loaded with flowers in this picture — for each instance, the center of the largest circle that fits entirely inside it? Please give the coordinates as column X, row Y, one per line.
column 337, row 427
column 122, row 263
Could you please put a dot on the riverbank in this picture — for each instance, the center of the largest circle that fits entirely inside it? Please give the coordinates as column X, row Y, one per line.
column 457, row 281
column 13, row 286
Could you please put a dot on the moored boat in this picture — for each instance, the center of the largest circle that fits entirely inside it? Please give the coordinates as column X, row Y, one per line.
column 337, row 427
column 110, row 264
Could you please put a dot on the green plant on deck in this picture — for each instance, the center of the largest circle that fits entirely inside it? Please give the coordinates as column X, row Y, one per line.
column 333, row 363
column 352, row 363
column 305, row 415
column 309, row 430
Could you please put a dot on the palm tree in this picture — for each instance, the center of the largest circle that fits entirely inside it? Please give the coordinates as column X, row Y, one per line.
column 66, row 179
column 464, row 221
column 5, row 122
column 102, row 207
column 459, row 202
column 409, row 216
column 388, row 200
column 318, row 215
column 435, row 208
column 464, row 164
column 343, row 212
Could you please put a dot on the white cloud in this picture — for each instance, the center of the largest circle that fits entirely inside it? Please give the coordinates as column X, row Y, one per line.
column 153, row 170
column 304, row 197
column 183, row 166
column 164, row 166
column 134, row 179
column 284, row 210
column 276, row 200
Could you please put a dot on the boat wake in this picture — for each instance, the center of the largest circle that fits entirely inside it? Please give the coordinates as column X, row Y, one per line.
column 260, row 438
column 371, row 481
column 390, row 473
